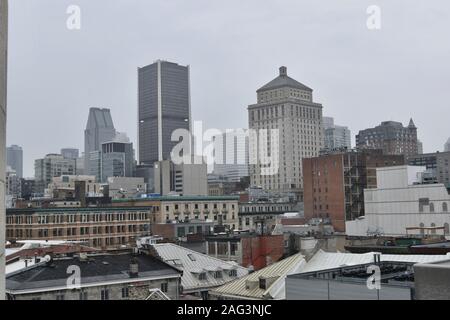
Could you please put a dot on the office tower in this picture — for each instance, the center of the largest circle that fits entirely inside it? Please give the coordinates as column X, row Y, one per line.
column 336, row 137
column 52, row 165
column 80, row 165
column 391, row 137
column 419, row 147
column 99, row 129
column 286, row 105
column 334, row 183
column 117, row 158
column 163, row 106
column 231, row 155
column 70, row 153
column 14, row 159
column 3, row 80
column 181, row 179
column 447, row 145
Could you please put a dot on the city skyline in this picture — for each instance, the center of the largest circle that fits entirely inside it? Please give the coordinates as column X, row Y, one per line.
column 353, row 70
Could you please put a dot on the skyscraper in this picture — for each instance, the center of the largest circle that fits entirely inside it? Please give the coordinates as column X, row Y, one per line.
column 99, row 129
column 286, row 105
column 52, row 165
column 14, row 159
column 163, row 106
column 391, row 137
column 336, row 137
column 3, row 80
column 231, row 155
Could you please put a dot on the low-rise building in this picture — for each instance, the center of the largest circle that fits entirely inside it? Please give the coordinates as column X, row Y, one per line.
column 403, row 205
column 126, row 187
column 65, row 186
column 246, row 249
column 114, row 276
column 201, row 273
column 187, row 231
column 262, row 216
column 99, row 227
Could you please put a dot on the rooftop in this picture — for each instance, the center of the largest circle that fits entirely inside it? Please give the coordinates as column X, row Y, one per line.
column 283, row 80
column 96, row 269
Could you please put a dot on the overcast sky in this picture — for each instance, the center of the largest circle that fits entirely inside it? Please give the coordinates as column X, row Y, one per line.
column 361, row 76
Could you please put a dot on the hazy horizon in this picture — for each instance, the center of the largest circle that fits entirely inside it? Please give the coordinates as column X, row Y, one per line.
column 362, row 77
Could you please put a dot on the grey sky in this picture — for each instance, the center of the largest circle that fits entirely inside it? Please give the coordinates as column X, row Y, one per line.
column 361, row 77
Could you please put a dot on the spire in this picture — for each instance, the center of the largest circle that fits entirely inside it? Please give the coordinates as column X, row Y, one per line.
column 411, row 124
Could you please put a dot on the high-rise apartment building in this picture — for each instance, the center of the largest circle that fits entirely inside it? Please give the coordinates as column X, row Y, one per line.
column 99, row 129
column 334, row 183
column 231, row 158
column 3, row 81
column 14, row 159
column 391, row 137
column 163, row 107
column 52, row 165
column 286, row 105
column 336, row 137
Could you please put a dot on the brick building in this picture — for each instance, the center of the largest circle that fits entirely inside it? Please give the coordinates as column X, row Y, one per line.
column 334, row 183
column 107, row 227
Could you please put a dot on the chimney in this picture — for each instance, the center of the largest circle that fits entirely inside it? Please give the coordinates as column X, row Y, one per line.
column 134, row 268
column 283, row 71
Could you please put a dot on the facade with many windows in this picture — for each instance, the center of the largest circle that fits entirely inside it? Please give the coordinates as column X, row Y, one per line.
column 99, row 227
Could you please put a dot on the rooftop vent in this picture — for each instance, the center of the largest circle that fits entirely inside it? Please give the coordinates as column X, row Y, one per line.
column 134, row 268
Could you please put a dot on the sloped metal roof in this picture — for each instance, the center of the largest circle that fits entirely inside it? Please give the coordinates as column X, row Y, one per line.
column 279, row 270
column 193, row 263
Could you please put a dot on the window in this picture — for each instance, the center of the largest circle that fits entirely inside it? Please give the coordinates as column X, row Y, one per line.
column 125, row 292
column 445, row 207
column 217, row 274
column 60, row 296
column 164, row 287
column 104, row 294
column 191, row 256
column 232, row 273
column 202, row 276
column 431, row 207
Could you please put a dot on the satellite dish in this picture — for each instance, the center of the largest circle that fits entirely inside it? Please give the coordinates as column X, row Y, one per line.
column 47, row 258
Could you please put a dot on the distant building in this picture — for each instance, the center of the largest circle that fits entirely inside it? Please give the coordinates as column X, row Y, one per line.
column 147, row 172
column 182, row 179
column 52, row 165
column 126, row 187
column 286, row 105
column 92, row 225
column 70, row 153
column 419, row 147
column 80, row 163
column 437, row 165
column 231, row 155
column 12, row 183
column 99, row 129
column 402, row 205
column 163, row 106
column 336, row 137
column 14, row 159
column 447, row 146
column 27, row 188
column 112, row 276
column 64, row 186
column 117, row 159
column 391, row 137
column 335, row 182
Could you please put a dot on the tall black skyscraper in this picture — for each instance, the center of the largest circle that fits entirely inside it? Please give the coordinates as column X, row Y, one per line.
column 164, row 106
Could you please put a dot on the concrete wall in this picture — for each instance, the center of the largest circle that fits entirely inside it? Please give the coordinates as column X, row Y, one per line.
column 3, row 78
column 432, row 281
